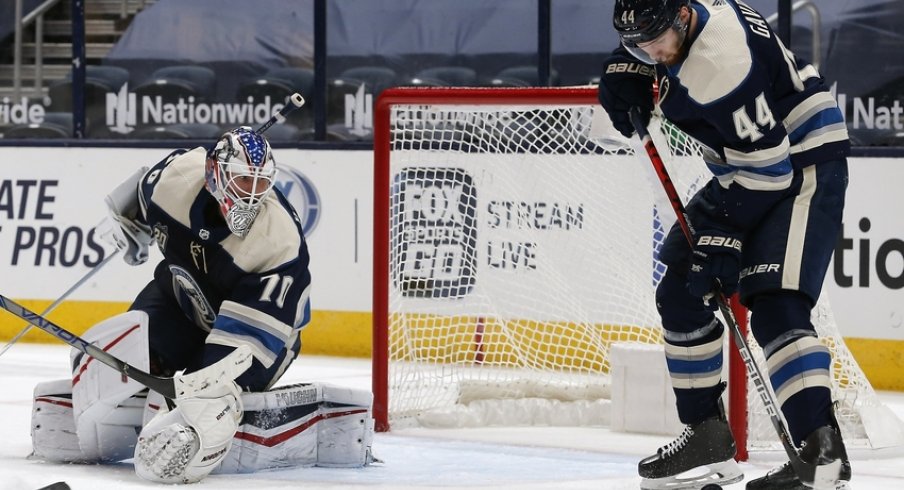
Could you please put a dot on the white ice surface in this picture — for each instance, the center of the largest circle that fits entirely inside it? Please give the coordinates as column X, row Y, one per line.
column 524, row 458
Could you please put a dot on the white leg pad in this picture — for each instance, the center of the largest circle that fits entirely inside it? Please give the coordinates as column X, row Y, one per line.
column 53, row 436
column 106, row 416
column 302, row 425
column 53, row 429
column 346, row 432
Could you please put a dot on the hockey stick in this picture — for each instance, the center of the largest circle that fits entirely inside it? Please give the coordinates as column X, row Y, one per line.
column 806, row 472
column 62, row 297
column 224, row 371
column 296, row 102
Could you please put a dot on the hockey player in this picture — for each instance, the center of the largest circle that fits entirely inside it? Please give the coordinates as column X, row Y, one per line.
column 765, row 225
column 234, row 273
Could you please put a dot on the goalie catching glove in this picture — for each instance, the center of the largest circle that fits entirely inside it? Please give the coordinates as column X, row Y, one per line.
column 715, row 265
column 124, row 228
column 186, row 444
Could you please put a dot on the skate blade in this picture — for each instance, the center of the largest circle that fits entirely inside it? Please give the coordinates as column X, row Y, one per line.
column 723, row 473
column 825, row 476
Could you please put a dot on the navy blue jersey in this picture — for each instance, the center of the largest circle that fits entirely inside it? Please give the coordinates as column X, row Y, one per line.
column 252, row 290
column 759, row 111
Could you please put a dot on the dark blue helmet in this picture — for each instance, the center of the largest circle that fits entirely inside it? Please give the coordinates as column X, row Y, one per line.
column 640, row 21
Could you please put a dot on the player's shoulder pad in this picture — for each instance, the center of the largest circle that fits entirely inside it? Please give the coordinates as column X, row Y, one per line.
column 719, row 60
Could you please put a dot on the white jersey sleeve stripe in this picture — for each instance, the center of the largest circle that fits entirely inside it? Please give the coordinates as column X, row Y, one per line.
column 753, row 181
column 261, row 353
column 827, row 134
column 760, row 158
column 814, row 104
column 303, row 311
column 256, row 319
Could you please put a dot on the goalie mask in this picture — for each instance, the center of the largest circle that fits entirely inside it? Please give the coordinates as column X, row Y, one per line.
column 643, row 23
column 240, row 173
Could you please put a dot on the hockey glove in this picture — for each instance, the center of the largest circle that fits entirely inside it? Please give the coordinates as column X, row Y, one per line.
column 626, row 83
column 715, row 265
column 131, row 235
column 128, row 235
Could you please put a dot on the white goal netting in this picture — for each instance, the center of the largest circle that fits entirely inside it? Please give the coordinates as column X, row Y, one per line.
column 520, row 245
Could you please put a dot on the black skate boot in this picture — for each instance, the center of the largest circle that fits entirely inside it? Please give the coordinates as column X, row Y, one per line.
column 821, row 448
column 708, row 444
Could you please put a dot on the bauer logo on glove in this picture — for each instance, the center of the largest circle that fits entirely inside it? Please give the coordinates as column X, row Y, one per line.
column 719, row 241
column 715, row 264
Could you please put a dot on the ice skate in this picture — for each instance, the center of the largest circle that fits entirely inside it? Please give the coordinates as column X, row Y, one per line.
column 823, row 448
column 708, row 445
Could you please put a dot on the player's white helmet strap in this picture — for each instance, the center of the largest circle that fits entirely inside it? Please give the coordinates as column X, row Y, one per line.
column 240, row 174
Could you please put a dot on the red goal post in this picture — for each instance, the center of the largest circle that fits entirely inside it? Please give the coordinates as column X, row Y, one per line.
column 457, row 316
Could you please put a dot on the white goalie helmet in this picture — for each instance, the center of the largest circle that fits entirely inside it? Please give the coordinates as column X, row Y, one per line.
column 240, row 173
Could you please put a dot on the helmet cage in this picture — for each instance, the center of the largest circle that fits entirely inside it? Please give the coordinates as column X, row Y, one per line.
column 240, row 173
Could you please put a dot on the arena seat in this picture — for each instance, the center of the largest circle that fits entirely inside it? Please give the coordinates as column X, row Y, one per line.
column 199, row 131
column 180, row 81
column 375, row 78
column 279, row 84
column 445, row 76
column 515, row 76
column 56, row 125
column 100, row 80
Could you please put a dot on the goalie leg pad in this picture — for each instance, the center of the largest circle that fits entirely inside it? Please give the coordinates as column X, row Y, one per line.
column 302, row 425
column 53, row 436
column 186, row 444
column 346, row 433
column 53, row 429
column 106, row 410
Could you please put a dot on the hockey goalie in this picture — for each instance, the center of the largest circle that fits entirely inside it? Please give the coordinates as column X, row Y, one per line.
column 234, row 275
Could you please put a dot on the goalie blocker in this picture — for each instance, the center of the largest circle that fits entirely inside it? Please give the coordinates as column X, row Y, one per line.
column 97, row 415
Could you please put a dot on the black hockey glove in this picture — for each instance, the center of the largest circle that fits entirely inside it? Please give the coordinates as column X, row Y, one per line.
column 626, row 83
column 715, row 264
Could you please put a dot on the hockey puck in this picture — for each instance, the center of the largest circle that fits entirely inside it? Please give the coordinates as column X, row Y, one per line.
column 711, row 486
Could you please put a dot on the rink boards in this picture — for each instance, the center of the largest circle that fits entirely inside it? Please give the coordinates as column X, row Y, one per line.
column 53, row 198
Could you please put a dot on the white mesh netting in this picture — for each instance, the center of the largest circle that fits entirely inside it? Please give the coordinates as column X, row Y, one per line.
column 522, row 243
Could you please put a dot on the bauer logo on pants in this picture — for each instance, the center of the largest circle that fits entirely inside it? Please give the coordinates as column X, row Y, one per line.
column 434, row 233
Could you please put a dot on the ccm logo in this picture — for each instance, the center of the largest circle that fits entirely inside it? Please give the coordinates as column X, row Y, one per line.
column 719, row 241
column 631, row 68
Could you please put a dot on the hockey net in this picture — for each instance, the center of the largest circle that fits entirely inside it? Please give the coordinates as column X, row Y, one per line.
column 514, row 244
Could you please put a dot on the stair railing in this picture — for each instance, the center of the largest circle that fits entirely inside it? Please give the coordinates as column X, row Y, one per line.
column 816, row 35
column 36, row 16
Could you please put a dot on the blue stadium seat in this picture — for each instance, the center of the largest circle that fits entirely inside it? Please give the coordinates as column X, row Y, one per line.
column 376, row 78
column 279, row 84
column 198, row 131
column 56, row 125
column 445, row 76
column 99, row 81
column 522, row 76
column 180, row 81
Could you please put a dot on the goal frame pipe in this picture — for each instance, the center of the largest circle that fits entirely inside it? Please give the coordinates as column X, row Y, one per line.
column 463, row 96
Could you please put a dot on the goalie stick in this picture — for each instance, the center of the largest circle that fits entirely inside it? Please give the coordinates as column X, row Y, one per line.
column 295, row 102
column 819, row 476
column 223, row 371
